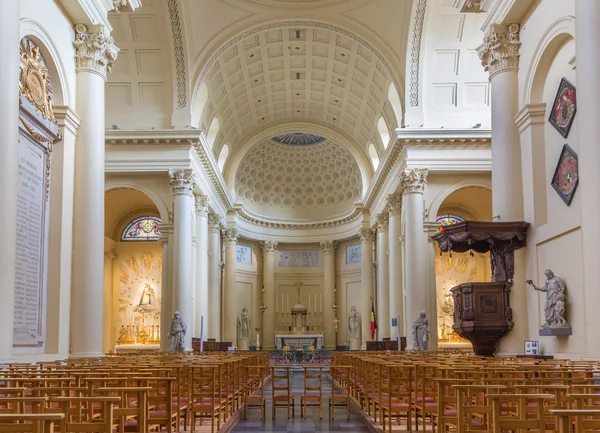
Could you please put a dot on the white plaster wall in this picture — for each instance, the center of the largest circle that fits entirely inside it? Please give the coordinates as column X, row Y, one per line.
column 348, row 281
column 248, row 287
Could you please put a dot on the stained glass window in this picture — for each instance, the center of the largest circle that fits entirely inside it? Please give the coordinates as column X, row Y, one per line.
column 142, row 229
column 446, row 220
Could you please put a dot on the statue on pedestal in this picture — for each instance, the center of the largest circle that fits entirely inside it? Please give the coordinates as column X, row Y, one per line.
column 420, row 329
column 554, row 309
column 177, row 333
column 353, row 328
column 243, row 323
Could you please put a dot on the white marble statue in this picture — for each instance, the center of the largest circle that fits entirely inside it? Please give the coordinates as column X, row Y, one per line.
column 420, row 329
column 177, row 333
column 353, row 323
column 554, row 309
column 243, row 322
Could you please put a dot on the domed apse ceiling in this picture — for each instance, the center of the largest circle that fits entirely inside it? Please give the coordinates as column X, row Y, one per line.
column 296, row 71
column 300, row 176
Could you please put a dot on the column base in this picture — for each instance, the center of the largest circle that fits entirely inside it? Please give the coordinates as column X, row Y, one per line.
column 87, row 355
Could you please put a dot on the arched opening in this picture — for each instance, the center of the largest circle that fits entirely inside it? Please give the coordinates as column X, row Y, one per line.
column 213, row 130
column 133, row 271
column 199, row 104
column 451, row 269
column 223, row 156
column 374, row 156
column 384, row 132
column 394, row 98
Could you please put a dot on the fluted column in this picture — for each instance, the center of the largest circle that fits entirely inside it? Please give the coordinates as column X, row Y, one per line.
column 383, row 289
column 366, row 294
column 229, row 291
column 166, row 299
column 182, row 183
column 329, row 248
column 268, row 319
column 95, row 53
column 108, row 341
column 214, row 278
column 9, row 132
column 587, row 15
column 201, row 297
column 500, row 56
column 396, row 304
column 413, row 184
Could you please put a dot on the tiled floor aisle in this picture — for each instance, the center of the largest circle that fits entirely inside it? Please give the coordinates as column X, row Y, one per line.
column 312, row 423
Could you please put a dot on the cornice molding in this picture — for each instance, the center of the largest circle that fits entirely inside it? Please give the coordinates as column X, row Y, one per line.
column 531, row 114
column 280, row 224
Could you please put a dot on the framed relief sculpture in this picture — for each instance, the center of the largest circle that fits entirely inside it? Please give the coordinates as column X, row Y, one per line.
column 532, row 348
column 564, row 108
column 566, row 175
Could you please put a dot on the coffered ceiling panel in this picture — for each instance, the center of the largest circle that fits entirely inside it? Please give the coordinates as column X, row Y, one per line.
column 296, row 70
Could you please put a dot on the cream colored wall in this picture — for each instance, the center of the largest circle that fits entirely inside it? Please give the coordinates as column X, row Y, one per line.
column 348, row 282
column 249, row 286
column 441, row 186
column 554, row 239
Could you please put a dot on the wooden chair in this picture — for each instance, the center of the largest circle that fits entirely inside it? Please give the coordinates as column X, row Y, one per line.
column 30, row 422
column 313, row 390
column 132, row 406
column 85, row 414
column 584, row 420
column 510, row 412
column 396, row 396
column 446, row 413
column 206, row 399
column 281, row 390
column 254, row 396
column 340, row 389
column 474, row 409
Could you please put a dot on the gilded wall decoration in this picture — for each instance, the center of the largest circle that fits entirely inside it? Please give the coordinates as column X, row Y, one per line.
column 139, row 299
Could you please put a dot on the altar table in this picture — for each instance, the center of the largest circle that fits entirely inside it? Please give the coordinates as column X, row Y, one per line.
column 315, row 340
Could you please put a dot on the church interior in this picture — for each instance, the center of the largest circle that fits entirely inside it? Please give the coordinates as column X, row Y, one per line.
column 364, row 213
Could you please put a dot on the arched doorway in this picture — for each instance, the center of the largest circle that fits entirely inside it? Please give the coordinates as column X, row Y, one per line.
column 132, row 272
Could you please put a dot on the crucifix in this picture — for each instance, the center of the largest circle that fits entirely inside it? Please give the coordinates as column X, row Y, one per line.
column 298, row 284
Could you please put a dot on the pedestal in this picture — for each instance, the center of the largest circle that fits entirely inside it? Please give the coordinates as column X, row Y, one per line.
column 355, row 344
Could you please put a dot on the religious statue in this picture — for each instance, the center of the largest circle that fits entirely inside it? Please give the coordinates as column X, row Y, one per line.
column 177, row 332
column 353, row 323
column 243, row 323
column 420, row 329
column 554, row 309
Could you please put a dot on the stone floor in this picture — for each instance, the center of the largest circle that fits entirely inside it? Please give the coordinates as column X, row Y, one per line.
column 312, row 423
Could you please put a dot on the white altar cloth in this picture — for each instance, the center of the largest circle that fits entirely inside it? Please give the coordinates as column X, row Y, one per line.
column 315, row 340
column 136, row 348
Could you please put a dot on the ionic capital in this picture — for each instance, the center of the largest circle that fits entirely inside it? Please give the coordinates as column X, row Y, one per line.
column 94, row 50
column 500, row 49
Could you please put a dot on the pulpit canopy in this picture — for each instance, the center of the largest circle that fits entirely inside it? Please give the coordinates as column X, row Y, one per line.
column 481, row 236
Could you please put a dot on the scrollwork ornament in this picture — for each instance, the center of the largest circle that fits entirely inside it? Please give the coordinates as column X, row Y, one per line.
column 413, row 180
column 329, row 246
column 182, row 181
column 94, row 50
column 500, row 49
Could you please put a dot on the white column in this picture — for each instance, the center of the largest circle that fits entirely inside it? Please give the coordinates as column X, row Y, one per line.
column 182, row 183
column 587, row 15
column 229, row 291
column 166, row 292
column 201, row 297
column 396, row 305
column 109, row 341
column 9, row 132
column 430, row 230
column 366, row 293
column 214, row 278
column 500, row 56
column 329, row 248
column 413, row 184
column 268, row 319
column 383, row 276
column 95, row 54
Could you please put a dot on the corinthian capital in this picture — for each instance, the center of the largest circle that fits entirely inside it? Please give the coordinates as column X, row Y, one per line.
column 394, row 203
column 413, row 180
column 382, row 220
column 329, row 246
column 231, row 235
column 500, row 49
column 365, row 235
column 94, row 50
column 201, row 202
column 182, row 181
column 214, row 221
column 268, row 247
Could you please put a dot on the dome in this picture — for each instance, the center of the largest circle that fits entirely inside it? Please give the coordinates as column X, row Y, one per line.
column 299, row 309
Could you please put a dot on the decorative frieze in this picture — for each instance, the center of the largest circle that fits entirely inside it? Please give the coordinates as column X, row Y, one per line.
column 94, row 50
column 201, row 202
column 182, row 181
column 268, row 247
column 500, row 49
column 329, row 246
column 413, row 180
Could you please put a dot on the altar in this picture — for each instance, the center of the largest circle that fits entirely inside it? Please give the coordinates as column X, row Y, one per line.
column 315, row 340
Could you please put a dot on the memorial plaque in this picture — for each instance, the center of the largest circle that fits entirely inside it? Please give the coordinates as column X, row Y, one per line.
column 30, row 267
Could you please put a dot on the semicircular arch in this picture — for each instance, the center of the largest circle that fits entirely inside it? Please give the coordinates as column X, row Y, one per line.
column 160, row 204
column 441, row 196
